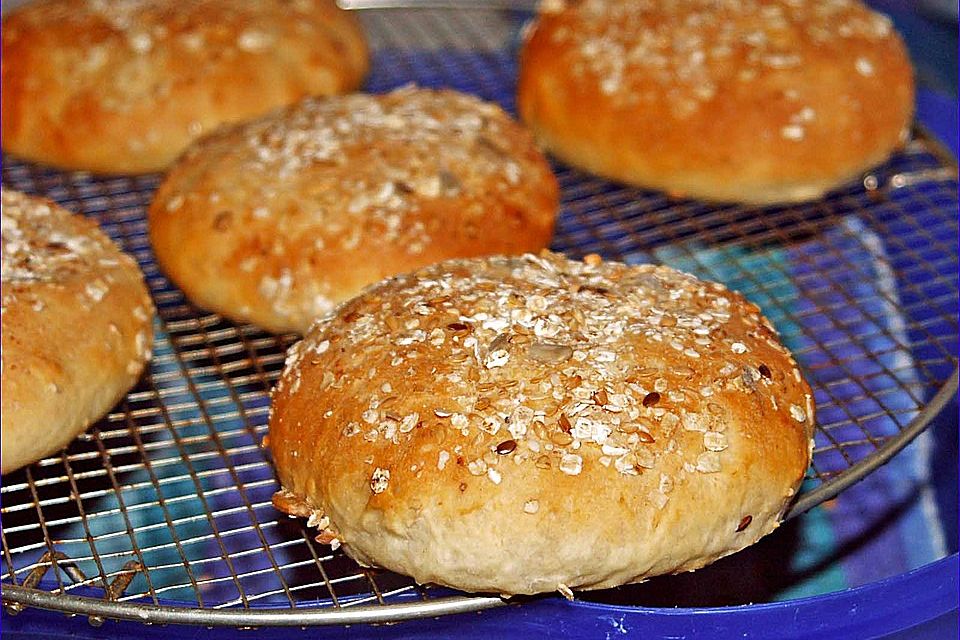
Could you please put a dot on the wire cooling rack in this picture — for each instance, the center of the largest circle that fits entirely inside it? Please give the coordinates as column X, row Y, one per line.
column 161, row 512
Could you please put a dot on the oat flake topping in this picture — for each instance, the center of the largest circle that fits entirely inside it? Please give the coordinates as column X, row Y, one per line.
column 544, row 361
column 635, row 50
column 39, row 246
column 379, row 157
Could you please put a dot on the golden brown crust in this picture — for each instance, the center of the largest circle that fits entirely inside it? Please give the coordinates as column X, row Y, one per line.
column 517, row 424
column 741, row 101
column 77, row 327
column 125, row 86
column 274, row 221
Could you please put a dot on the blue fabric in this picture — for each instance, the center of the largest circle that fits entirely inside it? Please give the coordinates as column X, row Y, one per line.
column 895, row 504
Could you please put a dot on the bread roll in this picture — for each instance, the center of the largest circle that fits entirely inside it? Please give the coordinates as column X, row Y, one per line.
column 520, row 425
column 275, row 221
column 757, row 102
column 76, row 327
column 125, row 86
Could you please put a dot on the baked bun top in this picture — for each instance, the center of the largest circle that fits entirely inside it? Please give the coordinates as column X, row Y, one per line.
column 123, row 86
column 275, row 221
column 76, row 326
column 517, row 424
column 748, row 101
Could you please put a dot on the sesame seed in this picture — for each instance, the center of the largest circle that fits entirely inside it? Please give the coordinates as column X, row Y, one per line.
column 797, row 413
column 806, row 114
column 477, row 467
column 379, row 480
column 140, row 42
column 409, row 422
column 253, row 40
column 571, row 464
column 792, row 132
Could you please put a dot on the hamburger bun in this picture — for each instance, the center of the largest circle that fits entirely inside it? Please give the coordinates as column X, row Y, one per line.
column 124, row 87
column 735, row 101
column 527, row 424
column 275, row 221
column 77, row 327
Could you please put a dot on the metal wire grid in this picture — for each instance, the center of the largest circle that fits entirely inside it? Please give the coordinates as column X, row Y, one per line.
column 167, row 500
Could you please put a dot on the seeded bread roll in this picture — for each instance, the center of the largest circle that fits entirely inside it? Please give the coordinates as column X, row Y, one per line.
column 76, row 327
column 275, row 221
column 757, row 102
column 521, row 425
column 124, row 86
